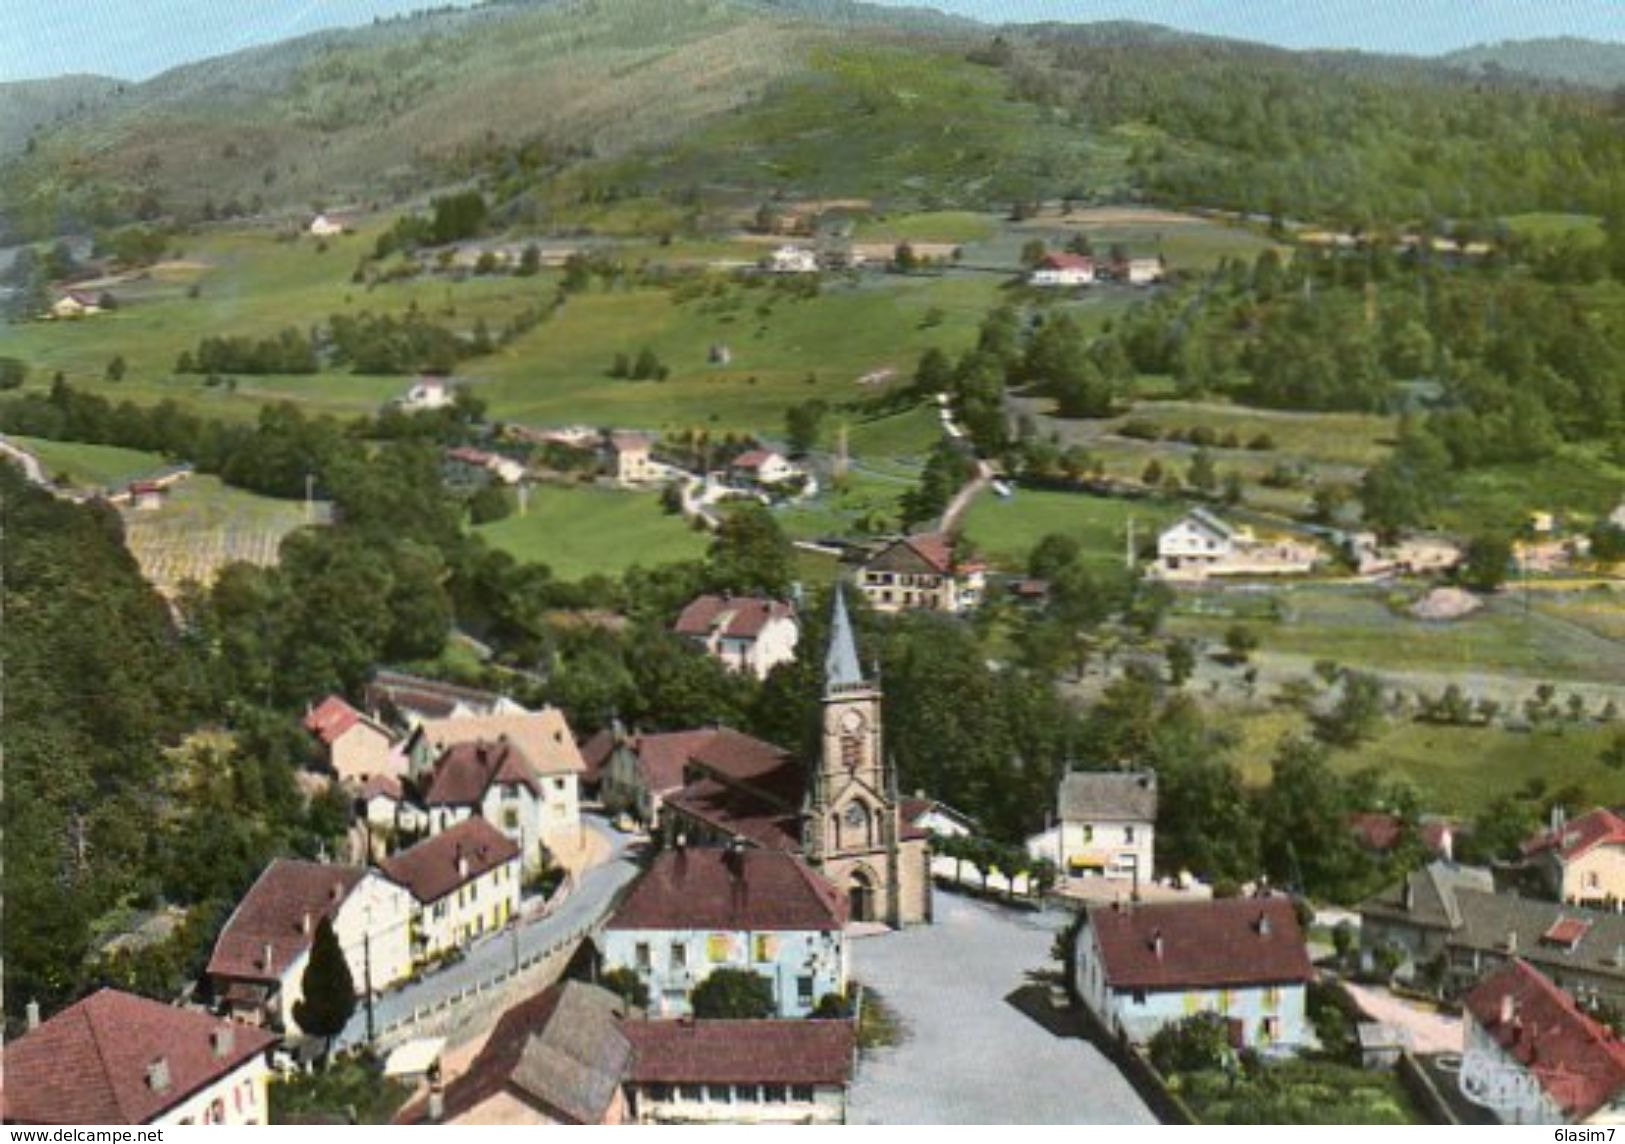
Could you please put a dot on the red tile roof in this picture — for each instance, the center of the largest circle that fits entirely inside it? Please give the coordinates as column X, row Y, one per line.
column 754, row 459
column 433, row 868
column 1577, row 1060
column 1228, row 942
column 1595, row 828
column 736, row 617
column 1067, row 261
column 1375, row 831
column 331, row 718
column 380, row 786
column 741, row 1052
column 273, row 913
column 663, row 757
column 1566, row 931
column 697, row 888
column 740, row 813
column 465, row 771
column 89, row 1064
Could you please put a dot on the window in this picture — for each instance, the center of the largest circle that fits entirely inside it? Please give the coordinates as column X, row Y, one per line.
column 1128, row 834
column 766, row 947
column 1272, row 998
column 801, row 1093
column 1139, row 996
column 773, row 1094
column 804, row 990
column 1088, row 832
column 660, row 1092
column 641, row 955
column 679, row 955
column 747, row 1094
column 510, row 818
column 719, row 1094
column 692, row 1093
column 558, row 785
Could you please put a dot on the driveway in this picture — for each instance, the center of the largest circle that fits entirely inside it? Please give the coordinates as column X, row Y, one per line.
column 968, row 1056
column 594, row 892
column 1431, row 1031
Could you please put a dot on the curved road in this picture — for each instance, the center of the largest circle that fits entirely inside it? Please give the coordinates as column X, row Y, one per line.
column 594, row 894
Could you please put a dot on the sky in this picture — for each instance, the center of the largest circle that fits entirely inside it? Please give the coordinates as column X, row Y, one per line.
column 134, row 39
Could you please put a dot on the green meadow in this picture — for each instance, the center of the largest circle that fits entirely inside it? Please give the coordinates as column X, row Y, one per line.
column 580, row 530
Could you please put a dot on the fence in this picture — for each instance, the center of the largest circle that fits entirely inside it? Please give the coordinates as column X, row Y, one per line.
column 448, row 1004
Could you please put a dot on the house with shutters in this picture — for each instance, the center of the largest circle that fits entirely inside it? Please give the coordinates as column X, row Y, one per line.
column 921, row 572
column 115, row 1058
column 1140, row 967
column 697, row 910
column 1546, row 1059
column 1107, row 824
column 465, row 883
column 256, row 970
column 354, row 745
column 576, row 1054
column 744, row 633
column 1581, row 860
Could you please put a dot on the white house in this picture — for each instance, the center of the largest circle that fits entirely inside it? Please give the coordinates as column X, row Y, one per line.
column 1143, row 271
column 1063, row 270
column 698, row 910
column 922, row 573
column 1194, row 543
column 324, row 227
column 522, row 770
column 427, row 393
column 465, row 882
column 791, row 259
column 631, row 460
column 761, row 467
column 115, row 1058
column 1534, row 1057
column 1140, row 967
column 257, row 968
column 1107, row 824
column 745, row 633
column 75, row 304
column 412, row 699
column 356, row 747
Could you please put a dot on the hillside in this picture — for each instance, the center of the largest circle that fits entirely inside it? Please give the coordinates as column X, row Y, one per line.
column 28, row 105
column 1566, row 59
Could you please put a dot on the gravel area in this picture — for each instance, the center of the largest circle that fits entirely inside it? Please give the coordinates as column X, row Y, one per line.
column 968, row 1056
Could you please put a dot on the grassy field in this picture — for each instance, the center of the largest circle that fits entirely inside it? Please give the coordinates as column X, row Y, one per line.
column 1548, row 226
column 90, row 466
column 925, row 226
column 1362, row 628
column 577, row 531
column 1006, row 530
column 859, row 500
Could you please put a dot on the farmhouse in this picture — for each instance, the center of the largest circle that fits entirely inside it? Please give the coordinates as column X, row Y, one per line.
column 760, row 467
column 427, row 394
column 257, row 968
column 115, row 1058
column 631, row 462
column 1137, row 271
column 470, row 468
column 323, row 226
column 1551, row 1062
column 1063, row 270
column 744, row 633
column 575, row 1054
column 464, row 883
column 1451, row 919
column 1107, row 823
column 1200, row 544
column 699, row 910
column 921, row 572
column 496, row 780
column 75, row 304
column 1141, row 967
column 1582, row 861
column 356, row 746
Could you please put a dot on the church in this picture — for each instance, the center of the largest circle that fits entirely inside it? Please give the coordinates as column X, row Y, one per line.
column 840, row 811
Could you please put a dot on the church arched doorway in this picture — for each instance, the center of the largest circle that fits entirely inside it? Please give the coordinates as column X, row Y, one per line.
column 860, row 897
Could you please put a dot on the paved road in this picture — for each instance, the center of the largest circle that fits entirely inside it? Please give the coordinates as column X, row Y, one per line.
column 968, row 1056
column 594, row 892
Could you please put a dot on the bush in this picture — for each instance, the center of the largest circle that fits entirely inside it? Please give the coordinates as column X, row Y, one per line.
column 1200, row 1041
column 733, row 994
column 626, row 983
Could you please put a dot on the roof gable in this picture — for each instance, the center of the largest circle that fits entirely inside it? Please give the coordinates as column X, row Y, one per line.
column 742, row 889
column 1177, row 945
column 280, row 913
column 454, row 857
column 1108, row 796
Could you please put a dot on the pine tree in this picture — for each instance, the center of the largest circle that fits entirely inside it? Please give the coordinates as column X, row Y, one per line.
column 329, row 1000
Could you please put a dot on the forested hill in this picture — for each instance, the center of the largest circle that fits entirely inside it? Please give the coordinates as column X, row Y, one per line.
column 1565, row 58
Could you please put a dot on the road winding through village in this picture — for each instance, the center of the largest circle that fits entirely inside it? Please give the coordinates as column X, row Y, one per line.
column 586, row 905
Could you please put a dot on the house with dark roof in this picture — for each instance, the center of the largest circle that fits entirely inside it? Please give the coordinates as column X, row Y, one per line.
column 1451, row 922
column 1141, row 967
column 575, row 1054
column 697, row 910
column 498, row 780
column 1533, row 1056
column 744, row 633
column 1107, row 823
column 256, row 971
column 115, row 1058
column 1381, row 833
column 921, row 572
column 464, row 881
column 643, row 771
column 354, row 745
column 1581, row 860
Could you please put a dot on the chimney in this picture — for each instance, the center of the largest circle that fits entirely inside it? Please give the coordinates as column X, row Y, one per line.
column 33, row 1016
column 158, row 1075
column 265, row 958
column 336, row 892
column 1512, row 941
column 1559, row 820
column 462, row 862
column 1156, row 944
column 304, row 923
column 1263, row 924
column 1447, row 844
column 220, row 1041
column 1509, row 1008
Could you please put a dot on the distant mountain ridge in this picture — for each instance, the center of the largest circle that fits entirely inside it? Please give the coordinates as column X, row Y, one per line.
column 1567, row 59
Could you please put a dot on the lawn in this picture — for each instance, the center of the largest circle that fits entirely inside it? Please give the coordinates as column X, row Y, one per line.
column 860, row 503
column 1006, row 530
column 1550, row 226
column 578, row 531
column 90, row 466
column 1298, row 1092
column 925, row 226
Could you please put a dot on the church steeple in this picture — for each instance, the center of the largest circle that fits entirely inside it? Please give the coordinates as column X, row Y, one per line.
column 841, row 667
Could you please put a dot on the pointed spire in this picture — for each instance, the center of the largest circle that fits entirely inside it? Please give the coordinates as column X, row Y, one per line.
column 841, row 667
